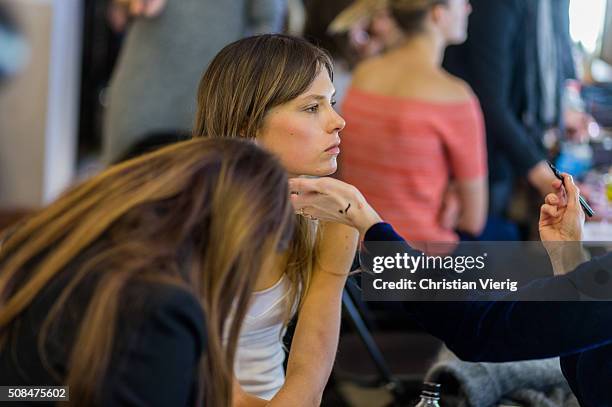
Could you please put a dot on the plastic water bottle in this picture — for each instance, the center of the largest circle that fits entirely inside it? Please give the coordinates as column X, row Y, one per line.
column 430, row 395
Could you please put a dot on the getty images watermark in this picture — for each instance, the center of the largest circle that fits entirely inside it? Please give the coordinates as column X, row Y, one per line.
column 456, row 264
column 481, row 271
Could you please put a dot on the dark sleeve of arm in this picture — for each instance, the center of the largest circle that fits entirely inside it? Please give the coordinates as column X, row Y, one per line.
column 511, row 329
column 160, row 367
column 490, row 53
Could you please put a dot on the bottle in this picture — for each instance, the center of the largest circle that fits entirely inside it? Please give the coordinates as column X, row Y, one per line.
column 430, row 395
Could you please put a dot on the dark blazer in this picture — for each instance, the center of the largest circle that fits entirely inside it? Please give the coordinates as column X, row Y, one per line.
column 160, row 338
column 499, row 61
column 501, row 331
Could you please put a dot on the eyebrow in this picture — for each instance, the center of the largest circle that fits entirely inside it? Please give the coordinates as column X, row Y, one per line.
column 318, row 97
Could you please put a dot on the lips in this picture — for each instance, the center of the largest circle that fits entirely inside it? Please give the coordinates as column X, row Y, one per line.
column 333, row 149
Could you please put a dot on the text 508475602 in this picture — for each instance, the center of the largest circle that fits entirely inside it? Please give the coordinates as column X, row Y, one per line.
column 34, row 393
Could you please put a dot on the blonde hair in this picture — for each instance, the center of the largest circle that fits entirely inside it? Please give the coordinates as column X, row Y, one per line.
column 201, row 215
column 242, row 83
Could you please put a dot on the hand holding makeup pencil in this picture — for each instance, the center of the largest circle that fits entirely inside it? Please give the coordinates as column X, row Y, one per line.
column 561, row 225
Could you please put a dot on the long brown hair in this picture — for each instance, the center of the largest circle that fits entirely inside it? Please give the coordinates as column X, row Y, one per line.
column 243, row 82
column 201, row 215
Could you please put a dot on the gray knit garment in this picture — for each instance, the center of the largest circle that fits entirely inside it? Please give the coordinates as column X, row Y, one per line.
column 533, row 383
column 154, row 85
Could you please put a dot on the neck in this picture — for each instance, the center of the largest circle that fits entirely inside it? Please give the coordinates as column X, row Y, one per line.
column 394, row 39
column 427, row 48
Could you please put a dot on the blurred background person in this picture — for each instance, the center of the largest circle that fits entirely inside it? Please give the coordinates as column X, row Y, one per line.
column 139, row 279
column 167, row 45
column 517, row 58
column 414, row 142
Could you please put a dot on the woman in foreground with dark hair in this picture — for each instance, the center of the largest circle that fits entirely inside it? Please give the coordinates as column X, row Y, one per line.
column 122, row 289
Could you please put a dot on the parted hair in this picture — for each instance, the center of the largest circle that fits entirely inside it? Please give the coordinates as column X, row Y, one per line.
column 201, row 215
column 244, row 81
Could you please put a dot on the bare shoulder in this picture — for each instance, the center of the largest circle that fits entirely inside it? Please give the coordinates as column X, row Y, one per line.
column 454, row 88
column 385, row 76
column 436, row 86
column 366, row 73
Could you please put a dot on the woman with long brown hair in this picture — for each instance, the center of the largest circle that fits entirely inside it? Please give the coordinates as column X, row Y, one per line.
column 278, row 91
column 132, row 287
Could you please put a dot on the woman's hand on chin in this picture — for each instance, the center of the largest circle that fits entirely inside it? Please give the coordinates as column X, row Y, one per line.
column 332, row 200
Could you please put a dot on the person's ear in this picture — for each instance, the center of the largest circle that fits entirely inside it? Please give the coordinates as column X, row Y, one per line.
column 438, row 14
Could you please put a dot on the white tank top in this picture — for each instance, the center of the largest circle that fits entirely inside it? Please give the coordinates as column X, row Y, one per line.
column 260, row 355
